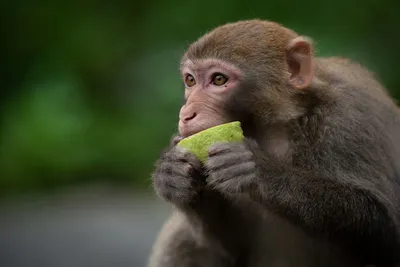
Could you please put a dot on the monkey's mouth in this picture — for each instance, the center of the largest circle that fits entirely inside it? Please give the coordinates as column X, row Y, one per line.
column 188, row 131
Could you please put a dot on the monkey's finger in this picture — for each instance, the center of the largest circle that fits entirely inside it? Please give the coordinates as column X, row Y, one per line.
column 167, row 182
column 225, row 160
column 181, row 155
column 171, row 168
column 174, row 189
column 231, row 173
column 238, row 170
column 236, row 186
column 176, row 139
column 172, row 182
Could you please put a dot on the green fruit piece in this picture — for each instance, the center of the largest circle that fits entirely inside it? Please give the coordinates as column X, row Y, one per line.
column 199, row 143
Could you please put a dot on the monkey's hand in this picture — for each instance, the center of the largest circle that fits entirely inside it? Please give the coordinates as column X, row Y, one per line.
column 177, row 177
column 232, row 167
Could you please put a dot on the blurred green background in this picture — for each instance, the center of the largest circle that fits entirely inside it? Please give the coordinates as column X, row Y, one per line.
column 90, row 93
column 90, row 90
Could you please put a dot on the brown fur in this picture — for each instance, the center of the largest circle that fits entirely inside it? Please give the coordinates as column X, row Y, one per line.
column 316, row 181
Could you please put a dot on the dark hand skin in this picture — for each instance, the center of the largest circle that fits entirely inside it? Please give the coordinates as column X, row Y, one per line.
column 177, row 178
column 232, row 167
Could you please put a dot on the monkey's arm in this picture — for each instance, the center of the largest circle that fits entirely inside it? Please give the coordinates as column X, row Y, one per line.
column 351, row 207
column 178, row 245
column 199, row 233
column 353, row 214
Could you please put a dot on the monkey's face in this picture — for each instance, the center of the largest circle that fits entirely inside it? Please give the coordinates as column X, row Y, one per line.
column 208, row 86
column 238, row 71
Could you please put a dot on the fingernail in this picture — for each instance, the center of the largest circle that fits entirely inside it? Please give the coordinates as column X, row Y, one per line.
column 212, row 152
column 177, row 139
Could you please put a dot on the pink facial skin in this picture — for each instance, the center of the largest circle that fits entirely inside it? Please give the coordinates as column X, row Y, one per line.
column 205, row 101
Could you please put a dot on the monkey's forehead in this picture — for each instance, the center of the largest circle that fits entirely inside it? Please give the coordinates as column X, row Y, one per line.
column 203, row 64
column 240, row 41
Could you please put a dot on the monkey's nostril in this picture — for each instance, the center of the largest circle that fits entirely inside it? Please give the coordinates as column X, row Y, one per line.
column 188, row 118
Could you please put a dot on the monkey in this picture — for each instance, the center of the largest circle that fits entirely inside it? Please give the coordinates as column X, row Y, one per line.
column 316, row 180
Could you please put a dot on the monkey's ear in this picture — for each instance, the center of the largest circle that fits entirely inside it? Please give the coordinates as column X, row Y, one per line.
column 300, row 62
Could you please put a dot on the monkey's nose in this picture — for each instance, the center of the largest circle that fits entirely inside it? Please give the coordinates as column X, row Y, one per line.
column 187, row 118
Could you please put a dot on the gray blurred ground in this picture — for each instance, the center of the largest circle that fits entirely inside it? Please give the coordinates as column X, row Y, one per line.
column 86, row 227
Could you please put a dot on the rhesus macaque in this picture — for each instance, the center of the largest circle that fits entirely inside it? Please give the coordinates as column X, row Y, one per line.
column 316, row 181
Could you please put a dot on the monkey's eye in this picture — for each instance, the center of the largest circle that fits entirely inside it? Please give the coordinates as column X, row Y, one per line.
column 219, row 79
column 189, row 80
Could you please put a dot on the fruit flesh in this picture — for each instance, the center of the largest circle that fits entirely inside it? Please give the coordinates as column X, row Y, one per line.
column 199, row 143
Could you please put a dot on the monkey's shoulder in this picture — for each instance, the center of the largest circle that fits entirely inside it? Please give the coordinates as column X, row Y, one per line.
column 353, row 86
column 345, row 70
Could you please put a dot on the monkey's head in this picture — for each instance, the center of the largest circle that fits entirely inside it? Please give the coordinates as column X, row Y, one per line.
column 248, row 70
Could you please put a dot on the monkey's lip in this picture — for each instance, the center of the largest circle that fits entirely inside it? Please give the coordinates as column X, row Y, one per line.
column 186, row 130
